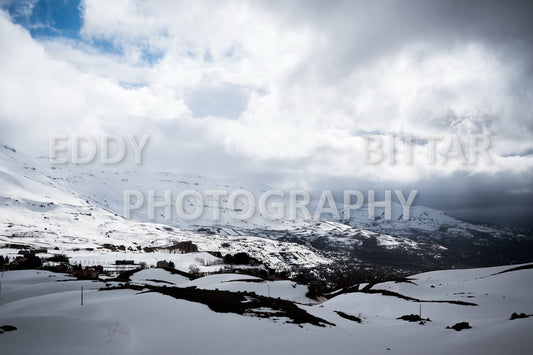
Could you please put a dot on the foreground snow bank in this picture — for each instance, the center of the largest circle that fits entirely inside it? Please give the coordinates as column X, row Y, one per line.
column 45, row 308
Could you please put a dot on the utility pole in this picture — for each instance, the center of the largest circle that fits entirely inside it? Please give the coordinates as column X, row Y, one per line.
column 420, row 315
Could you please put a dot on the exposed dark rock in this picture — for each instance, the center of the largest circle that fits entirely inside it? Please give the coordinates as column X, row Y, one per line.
column 460, row 326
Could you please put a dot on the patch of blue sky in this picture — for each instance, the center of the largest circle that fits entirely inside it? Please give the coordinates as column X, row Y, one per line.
column 151, row 55
column 64, row 19
column 226, row 100
column 47, row 17
column 132, row 85
column 105, row 45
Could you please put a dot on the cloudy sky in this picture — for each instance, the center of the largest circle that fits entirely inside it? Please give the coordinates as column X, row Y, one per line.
column 283, row 92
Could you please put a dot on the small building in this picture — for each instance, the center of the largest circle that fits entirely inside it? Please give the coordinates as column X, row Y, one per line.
column 26, row 253
column 91, row 272
column 124, row 262
column 162, row 264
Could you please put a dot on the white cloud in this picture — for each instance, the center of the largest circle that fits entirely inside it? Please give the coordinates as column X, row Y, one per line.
column 290, row 115
column 42, row 93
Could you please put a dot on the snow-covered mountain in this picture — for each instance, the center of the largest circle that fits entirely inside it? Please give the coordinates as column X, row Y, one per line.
column 48, row 202
column 428, row 239
column 104, row 186
column 93, row 198
column 39, row 212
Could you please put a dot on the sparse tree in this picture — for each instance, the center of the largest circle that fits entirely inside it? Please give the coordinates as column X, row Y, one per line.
column 194, row 270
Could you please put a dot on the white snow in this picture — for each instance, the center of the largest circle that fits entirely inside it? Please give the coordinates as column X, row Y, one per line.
column 52, row 321
column 36, row 211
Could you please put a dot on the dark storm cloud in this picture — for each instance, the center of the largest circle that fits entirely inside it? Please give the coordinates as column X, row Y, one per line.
column 506, row 199
column 365, row 29
column 362, row 32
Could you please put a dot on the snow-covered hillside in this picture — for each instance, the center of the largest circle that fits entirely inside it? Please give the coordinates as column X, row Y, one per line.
column 78, row 209
column 38, row 212
column 45, row 308
column 104, row 186
column 428, row 240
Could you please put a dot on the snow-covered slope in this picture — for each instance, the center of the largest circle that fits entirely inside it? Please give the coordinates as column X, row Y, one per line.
column 45, row 308
column 104, row 186
column 443, row 240
column 284, row 289
column 428, row 240
column 38, row 212
column 51, row 202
